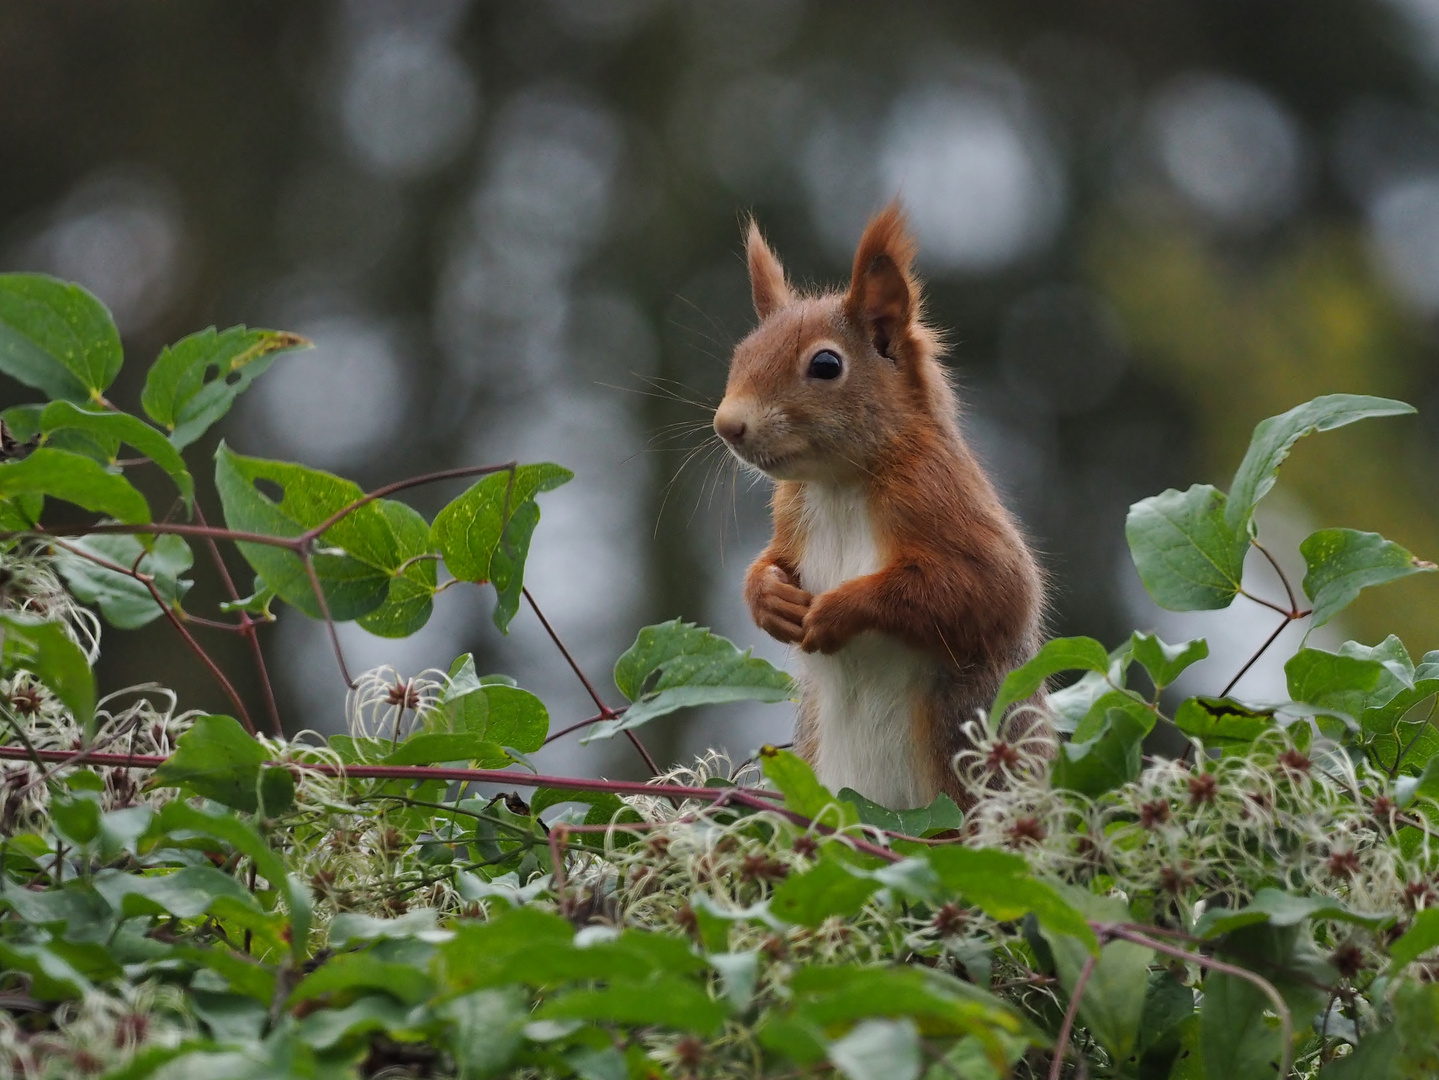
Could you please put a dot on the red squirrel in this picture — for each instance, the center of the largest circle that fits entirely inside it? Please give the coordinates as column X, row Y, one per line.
column 894, row 565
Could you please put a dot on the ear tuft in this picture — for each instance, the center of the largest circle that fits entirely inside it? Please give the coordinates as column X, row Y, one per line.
column 883, row 295
column 766, row 276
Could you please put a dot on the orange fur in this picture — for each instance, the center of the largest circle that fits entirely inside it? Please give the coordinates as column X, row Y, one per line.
column 956, row 581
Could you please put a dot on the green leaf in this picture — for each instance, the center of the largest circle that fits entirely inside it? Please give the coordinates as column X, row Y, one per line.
column 1059, row 654
column 829, row 995
column 76, row 820
column 195, row 381
column 44, row 649
column 938, row 816
column 1341, row 562
column 74, row 478
column 125, row 602
column 434, row 747
column 1112, row 758
column 56, row 337
column 665, row 1000
column 1422, row 935
column 356, row 559
column 1113, row 1001
column 218, row 759
column 1165, row 662
column 484, row 535
column 350, row 972
column 1275, row 437
column 1278, row 908
column 676, row 665
column 497, row 712
column 828, row 888
column 119, row 427
column 1375, row 1058
column 489, row 1027
column 179, row 816
column 1235, row 1039
column 802, row 792
column 1346, row 682
column 1001, row 885
column 878, row 1050
column 184, row 893
column 409, row 603
column 1221, row 724
column 1187, row 554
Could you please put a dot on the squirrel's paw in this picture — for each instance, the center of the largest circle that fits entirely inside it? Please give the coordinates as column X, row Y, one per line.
column 828, row 625
column 778, row 605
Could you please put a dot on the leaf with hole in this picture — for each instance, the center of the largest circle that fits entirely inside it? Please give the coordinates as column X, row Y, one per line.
column 1221, row 724
column 677, row 665
column 484, row 535
column 357, row 560
column 194, row 382
column 125, row 602
column 1342, row 562
column 1188, row 555
column 73, row 478
column 940, row 815
column 56, row 337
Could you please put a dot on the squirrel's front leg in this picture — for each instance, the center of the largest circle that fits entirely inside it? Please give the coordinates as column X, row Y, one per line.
column 776, row 603
column 836, row 616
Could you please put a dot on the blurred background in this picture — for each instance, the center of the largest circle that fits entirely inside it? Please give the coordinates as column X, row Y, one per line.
column 512, row 230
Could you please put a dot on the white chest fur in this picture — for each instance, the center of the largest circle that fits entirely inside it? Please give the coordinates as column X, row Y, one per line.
column 864, row 696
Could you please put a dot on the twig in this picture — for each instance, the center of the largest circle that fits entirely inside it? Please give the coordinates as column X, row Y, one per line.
column 247, row 625
column 1283, row 578
column 148, row 581
column 576, row 727
column 606, row 713
column 1061, row 1043
column 1257, row 654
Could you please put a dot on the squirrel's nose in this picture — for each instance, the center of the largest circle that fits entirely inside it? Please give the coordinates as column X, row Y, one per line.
column 730, row 426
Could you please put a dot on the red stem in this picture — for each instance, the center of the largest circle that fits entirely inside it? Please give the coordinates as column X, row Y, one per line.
column 248, row 628
column 195, row 647
column 1061, row 1043
column 426, row 772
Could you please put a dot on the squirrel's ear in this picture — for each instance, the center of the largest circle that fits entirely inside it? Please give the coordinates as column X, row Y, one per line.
column 766, row 275
column 883, row 296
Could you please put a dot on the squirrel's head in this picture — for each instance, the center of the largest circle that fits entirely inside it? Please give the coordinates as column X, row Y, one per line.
column 826, row 385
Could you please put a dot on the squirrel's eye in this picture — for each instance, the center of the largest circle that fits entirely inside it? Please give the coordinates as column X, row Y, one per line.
column 825, row 365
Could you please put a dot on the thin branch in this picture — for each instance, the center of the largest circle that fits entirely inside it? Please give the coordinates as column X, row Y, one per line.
column 1270, row 640
column 576, row 727
column 606, row 713
column 1061, row 1043
column 249, row 628
column 760, row 798
column 309, row 561
column 1270, row 604
column 1288, row 589
column 149, row 582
